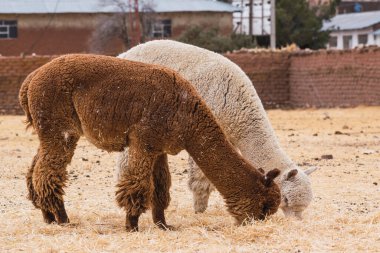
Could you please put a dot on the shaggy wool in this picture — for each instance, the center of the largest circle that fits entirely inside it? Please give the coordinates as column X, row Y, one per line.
column 116, row 103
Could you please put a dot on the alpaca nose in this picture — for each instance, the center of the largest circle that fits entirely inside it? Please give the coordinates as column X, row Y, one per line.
column 287, row 211
column 298, row 215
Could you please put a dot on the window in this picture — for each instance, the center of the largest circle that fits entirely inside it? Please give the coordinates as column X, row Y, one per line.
column 333, row 42
column 162, row 28
column 363, row 39
column 347, row 41
column 8, row 29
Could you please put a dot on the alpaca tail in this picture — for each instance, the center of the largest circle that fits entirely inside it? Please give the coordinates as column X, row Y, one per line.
column 23, row 99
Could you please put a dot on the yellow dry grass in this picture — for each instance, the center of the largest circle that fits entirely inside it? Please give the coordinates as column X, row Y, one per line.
column 344, row 217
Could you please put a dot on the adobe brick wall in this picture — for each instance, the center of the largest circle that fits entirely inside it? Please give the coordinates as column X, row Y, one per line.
column 335, row 78
column 300, row 79
column 13, row 71
column 269, row 73
column 314, row 78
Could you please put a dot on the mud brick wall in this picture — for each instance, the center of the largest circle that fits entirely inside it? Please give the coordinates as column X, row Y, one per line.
column 299, row 79
column 335, row 78
column 314, row 78
column 13, row 71
column 269, row 73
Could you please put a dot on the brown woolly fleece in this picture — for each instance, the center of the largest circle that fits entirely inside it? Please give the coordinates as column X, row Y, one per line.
column 117, row 103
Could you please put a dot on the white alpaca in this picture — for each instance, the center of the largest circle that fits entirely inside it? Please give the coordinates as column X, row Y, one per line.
column 230, row 95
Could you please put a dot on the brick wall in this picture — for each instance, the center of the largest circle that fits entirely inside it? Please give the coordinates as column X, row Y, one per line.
column 314, row 78
column 13, row 71
column 300, row 79
column 269, row 73
column 335, row 78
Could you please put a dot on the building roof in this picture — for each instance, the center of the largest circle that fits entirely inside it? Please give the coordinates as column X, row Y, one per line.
column 352, row 21
column 106, row 6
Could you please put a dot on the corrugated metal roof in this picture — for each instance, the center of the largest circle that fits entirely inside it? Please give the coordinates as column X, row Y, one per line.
column 191, row 5
column 352, row 21
column 98, row 6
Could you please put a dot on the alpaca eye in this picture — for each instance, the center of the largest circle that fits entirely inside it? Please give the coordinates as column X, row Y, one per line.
column 286, row 200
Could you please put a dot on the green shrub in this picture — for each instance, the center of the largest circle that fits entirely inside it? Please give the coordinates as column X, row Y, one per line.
column 212, row 40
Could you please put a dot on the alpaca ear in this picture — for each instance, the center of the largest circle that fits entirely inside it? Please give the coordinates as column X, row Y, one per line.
column 311, row 170
column 261, row 170
column 270, row 176
column 291, row 174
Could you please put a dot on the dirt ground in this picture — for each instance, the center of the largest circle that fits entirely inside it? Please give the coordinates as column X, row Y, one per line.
column 344, row 216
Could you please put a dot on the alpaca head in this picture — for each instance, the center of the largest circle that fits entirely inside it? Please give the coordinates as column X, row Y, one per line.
column 269, row 198
column 272, row 193
column 296, row 193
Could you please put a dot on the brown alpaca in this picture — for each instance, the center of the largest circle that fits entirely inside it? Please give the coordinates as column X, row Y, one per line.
column 117, row 103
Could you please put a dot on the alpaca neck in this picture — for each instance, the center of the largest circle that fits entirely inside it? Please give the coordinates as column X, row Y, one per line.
column 258, row 142
column 222, row 165
column 264, row 152
column 220, row 161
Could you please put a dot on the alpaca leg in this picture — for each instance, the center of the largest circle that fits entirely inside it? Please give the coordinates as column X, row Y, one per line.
column 48, row 175
column 121, row 163
column 161, row 195
column 32, row 195
column 136, row 184
column 200, row 186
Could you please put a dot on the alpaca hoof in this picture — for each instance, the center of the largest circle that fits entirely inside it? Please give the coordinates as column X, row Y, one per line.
column 63, row 221
column 48, row 217
column 61, row 216
column 132, row 229
column 200, row 205
column 165, row 227
column 131, row 224
column 200, row 209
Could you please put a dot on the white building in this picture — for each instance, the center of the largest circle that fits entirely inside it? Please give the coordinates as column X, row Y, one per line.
column 353, row 29
column 260, row 17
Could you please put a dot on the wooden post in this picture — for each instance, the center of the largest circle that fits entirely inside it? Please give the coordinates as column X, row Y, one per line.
column 273, row 24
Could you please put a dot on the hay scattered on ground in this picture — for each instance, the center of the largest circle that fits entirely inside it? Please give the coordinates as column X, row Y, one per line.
column 344, row 217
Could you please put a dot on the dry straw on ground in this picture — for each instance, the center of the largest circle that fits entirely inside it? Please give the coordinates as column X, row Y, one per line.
column 344, row 217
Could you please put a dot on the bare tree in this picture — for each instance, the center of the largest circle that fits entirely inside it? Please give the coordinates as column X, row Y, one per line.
column 147, row 19
column 118, row 25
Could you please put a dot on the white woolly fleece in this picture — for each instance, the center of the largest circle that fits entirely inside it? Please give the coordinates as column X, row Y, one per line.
column 232, row 98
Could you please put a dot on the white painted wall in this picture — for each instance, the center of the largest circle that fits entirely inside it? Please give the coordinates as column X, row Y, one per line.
column 261, row 16
column 355, row 33
column 377, row 39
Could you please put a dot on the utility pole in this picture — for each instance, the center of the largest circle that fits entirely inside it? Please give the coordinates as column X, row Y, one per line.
column 134, row 21
column 137, row 22
column 250, row 17
column 273, row 24
column 130, row 15
column 241, row 16
column 262, row 17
